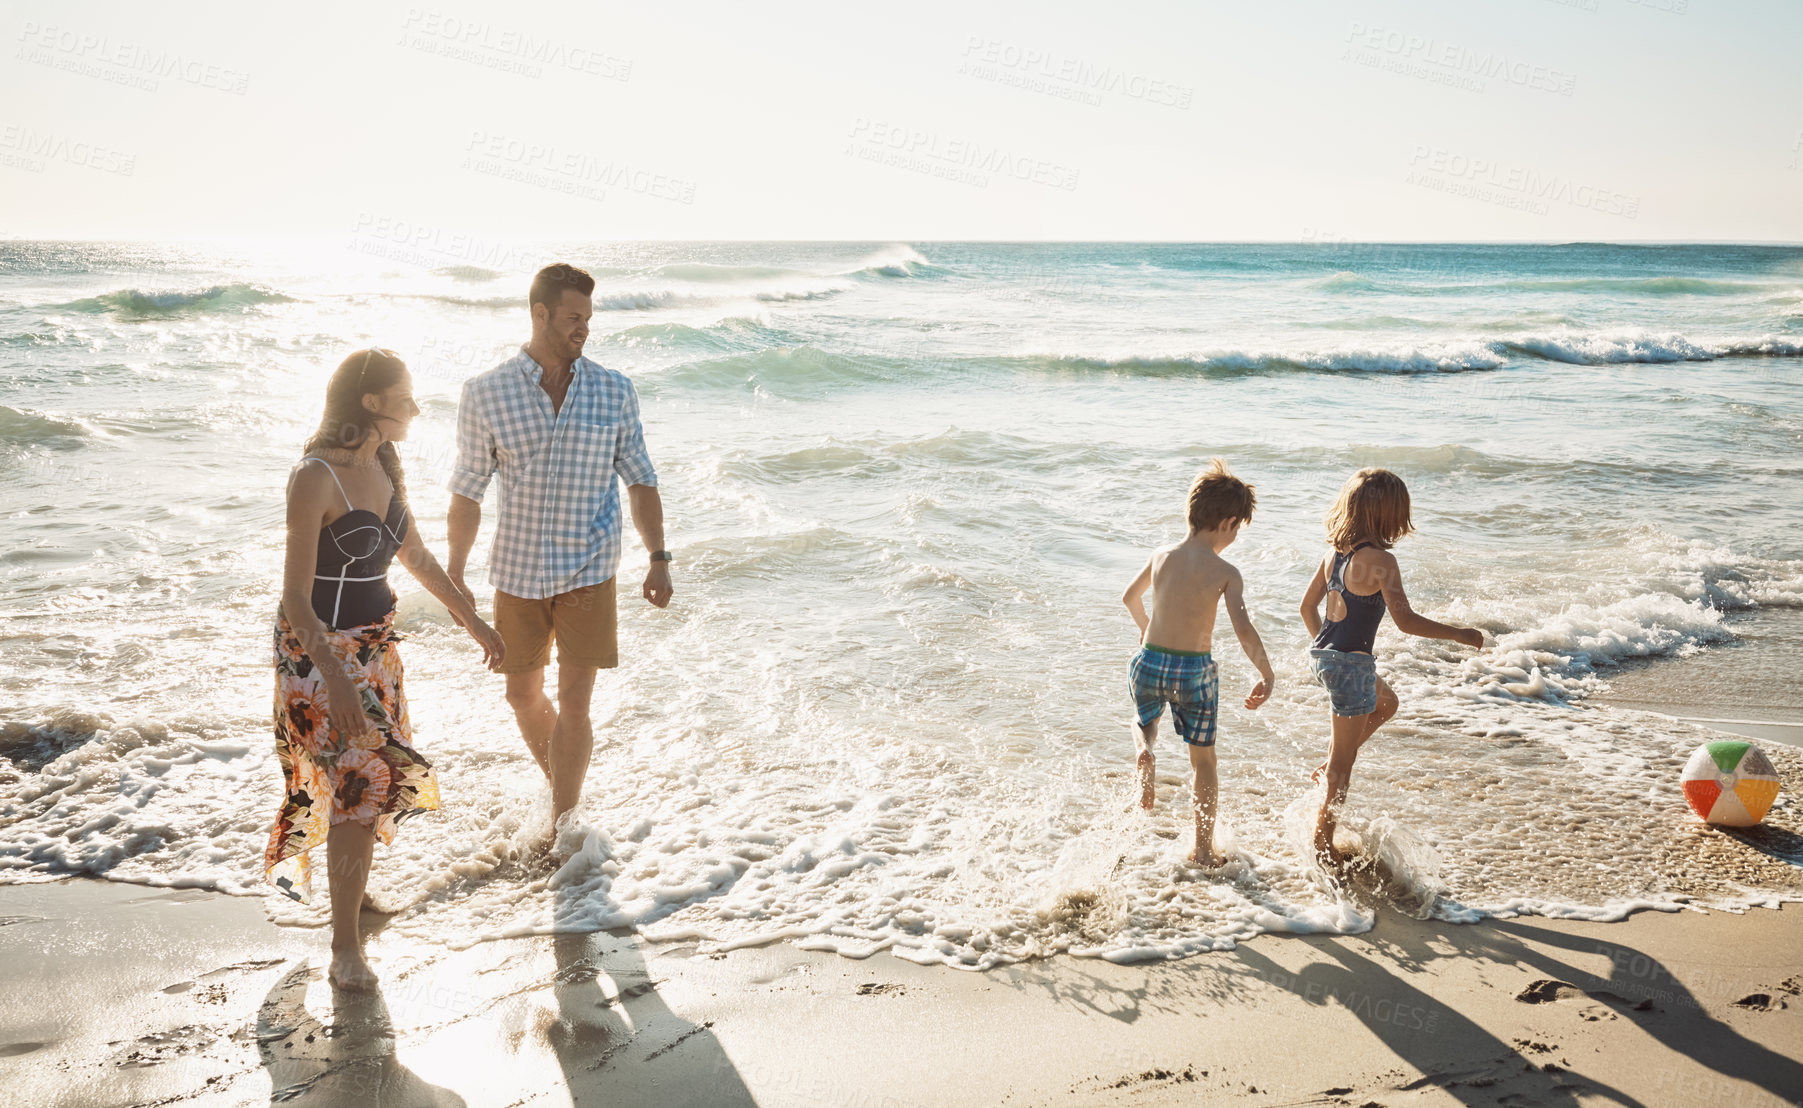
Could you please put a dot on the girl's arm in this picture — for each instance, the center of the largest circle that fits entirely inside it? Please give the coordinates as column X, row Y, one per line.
column 1408, row 621
column 1134, row 598
column 425, row 569
column 1311, row 600
column 306, row 515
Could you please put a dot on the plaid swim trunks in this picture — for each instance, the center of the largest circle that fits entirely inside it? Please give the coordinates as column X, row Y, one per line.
column 1185, row 680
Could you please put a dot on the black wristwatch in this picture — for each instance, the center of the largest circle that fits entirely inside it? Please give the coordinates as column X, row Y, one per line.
column 662, row 556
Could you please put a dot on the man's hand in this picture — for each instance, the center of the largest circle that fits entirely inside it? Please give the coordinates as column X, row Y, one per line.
column 1260, row 693
column 657, row 584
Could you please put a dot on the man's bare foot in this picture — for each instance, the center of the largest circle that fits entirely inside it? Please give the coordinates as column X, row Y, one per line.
column 350, row 971
column 1148, row 783
column 1213, row 860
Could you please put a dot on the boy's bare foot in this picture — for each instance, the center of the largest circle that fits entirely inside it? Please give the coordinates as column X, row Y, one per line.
column 1148, row 783
column 350, row 971
column 1212, row 860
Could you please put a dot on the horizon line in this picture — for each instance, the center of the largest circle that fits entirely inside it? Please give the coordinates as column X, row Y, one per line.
column 880, row 240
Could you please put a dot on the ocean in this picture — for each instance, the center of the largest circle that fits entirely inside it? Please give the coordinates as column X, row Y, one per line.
column 906, row 484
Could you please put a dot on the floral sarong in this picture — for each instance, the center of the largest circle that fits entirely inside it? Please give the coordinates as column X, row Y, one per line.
column 379, row 780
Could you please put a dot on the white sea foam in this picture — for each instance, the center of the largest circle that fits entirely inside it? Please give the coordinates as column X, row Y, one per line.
column 894, row 260
column 1573, row 347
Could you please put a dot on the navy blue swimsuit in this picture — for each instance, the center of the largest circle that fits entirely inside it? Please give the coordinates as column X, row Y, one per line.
column 1356, row 633
column 350, row 581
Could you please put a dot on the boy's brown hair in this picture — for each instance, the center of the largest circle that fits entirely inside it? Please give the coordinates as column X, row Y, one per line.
column 1216, row 496
column 1374, row 506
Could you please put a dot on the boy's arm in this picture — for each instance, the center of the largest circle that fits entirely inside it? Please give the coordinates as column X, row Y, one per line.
column 1235, row 595
column 1134, row 598
column 1311, row 600
column 1411, row 622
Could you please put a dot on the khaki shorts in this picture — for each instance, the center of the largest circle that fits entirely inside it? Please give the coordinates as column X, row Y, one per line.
column 583, row 621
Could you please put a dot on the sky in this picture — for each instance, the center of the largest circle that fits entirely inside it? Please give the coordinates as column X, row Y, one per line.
column 1288, row 120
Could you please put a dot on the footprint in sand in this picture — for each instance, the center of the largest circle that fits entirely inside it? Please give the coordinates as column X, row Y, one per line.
column 1549, row 991
column 1778, row 997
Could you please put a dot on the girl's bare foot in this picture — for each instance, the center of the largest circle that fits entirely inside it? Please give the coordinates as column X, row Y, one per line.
column 1330, row 856
column 1213, row 859
column 350, row 971
column 1148, row 784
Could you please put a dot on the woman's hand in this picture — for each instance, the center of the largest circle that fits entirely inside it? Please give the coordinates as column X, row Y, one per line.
column 344, row 709
column 489, row 639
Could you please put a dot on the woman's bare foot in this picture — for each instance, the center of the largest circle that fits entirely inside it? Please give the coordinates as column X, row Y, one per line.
column 350, row 971
column 1148, row 784
column 1213, row 860
column 1315, row 777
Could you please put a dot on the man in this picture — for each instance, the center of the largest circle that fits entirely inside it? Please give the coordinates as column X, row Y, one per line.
column 558, row 428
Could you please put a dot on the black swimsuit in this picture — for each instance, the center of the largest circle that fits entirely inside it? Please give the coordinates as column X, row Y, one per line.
column 350, row 581
column 1357, row 631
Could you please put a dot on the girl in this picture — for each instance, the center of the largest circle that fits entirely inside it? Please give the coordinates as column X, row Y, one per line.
column 1360, row 581
column 341, row 729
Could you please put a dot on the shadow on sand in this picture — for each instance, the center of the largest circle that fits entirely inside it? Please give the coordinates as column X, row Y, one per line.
column 349, row 1061
column 598, row 1013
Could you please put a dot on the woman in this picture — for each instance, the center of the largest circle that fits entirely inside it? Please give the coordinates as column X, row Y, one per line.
column 341, row 726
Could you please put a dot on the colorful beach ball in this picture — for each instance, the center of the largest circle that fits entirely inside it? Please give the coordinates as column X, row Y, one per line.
column 1731, row 783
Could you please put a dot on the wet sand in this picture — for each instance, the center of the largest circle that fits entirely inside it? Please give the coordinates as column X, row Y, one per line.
column 1747, row 687
column 116, row 994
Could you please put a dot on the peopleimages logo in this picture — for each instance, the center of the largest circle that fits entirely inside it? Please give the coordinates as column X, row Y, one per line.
column 28, row 148
column 1068, row 78
column 120, row 61
column 1453, row 58
column 577, row 172
column 506, row 48
column 401, row 239
column 931, row 147
column 1513, row 185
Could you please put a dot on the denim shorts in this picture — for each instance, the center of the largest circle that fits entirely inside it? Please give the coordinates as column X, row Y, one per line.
column 1350, row 679
column 1189, row 683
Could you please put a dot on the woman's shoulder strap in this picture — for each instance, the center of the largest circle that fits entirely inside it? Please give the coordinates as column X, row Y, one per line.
column 335, row 480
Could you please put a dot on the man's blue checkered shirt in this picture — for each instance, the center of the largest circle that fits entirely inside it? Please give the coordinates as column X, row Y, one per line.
column 560, row 519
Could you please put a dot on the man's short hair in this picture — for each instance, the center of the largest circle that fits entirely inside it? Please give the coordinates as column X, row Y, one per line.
column 549, row 283
column 1217, row 496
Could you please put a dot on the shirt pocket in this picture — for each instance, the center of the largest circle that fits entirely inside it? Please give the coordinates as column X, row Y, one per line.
column 588, row 455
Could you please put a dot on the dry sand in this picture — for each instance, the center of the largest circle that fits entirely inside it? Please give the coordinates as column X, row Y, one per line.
column 117, row 995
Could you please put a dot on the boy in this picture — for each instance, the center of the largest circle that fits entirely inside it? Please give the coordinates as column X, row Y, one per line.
column 1173, row 665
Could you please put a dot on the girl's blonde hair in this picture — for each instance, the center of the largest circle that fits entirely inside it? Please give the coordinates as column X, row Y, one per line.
column 1374, row 506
